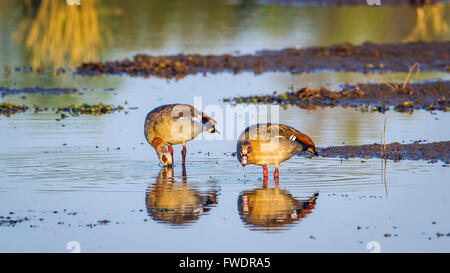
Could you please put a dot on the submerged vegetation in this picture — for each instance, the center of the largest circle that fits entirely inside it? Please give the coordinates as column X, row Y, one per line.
column 96, row 109
column 8, row 109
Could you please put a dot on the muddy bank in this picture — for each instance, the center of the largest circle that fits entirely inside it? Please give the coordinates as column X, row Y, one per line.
column 433, row 152
column 347, row 2
column 367, row 57
column 8, row 109
column 368, row 97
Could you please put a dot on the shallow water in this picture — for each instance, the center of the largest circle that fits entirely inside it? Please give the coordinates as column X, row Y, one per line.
column 102, row 168
column 66, row 176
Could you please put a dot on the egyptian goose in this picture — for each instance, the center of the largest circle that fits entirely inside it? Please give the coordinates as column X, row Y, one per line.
column 270, row 143
column 173, row 124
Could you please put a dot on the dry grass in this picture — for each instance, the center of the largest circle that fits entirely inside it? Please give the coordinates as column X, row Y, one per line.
column 395, row 86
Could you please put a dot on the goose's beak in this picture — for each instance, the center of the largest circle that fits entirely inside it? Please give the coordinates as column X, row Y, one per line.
column 244, row 160
column 213, row 130
column 313, row 151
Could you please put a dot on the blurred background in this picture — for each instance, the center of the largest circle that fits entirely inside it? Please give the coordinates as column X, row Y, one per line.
column 92, row 168
column 50, row 32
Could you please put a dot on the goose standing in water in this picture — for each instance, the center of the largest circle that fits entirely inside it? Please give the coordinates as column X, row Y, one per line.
column 270, row 144
column 174, row 124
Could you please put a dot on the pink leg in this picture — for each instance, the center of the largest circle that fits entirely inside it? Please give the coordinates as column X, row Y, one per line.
column 276, row 173
column 183, row 153
column 266, row 173
column 171, row 151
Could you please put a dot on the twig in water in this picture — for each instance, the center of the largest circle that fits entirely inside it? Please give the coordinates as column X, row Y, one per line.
column 416, row 64
column 395, row 86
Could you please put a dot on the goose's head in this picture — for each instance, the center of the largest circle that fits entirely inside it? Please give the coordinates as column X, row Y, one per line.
column 164, row 155
column 245, row 152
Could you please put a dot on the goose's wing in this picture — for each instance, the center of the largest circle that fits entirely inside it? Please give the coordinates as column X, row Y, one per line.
column 203, row 119
column 291, row 134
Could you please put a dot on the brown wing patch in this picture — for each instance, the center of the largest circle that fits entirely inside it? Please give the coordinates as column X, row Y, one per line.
column 295, row 135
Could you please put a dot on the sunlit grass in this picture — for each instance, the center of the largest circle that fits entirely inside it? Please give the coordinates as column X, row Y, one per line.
column 62, row 35
column 431, row 22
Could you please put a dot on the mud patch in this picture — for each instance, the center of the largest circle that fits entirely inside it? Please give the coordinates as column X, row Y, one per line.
column 368, row 97
column 368, row 57
column 433, row 152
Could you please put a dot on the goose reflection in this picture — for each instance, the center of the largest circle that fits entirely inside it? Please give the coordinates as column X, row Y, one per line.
column 273, row 209
column 176, row 203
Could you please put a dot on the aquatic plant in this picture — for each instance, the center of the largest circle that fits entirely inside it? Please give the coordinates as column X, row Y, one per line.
column 8, row 109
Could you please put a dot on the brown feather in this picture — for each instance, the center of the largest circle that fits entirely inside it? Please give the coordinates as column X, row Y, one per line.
column 288, row 132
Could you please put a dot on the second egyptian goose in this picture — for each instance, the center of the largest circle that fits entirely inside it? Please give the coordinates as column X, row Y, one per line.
column 173, row 124
column 270, row 144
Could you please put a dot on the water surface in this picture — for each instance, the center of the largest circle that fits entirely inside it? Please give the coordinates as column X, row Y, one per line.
column 95, row 180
